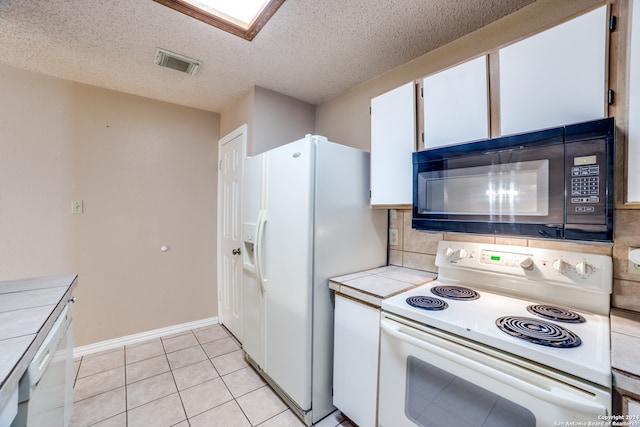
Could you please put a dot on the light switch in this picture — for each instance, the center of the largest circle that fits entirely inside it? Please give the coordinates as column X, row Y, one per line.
column 76, row 207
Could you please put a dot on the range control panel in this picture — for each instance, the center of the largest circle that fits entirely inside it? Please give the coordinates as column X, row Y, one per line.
column 471, row 261
column 505, row 259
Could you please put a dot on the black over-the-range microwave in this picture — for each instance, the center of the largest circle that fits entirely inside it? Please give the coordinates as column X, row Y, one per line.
column 554, row 183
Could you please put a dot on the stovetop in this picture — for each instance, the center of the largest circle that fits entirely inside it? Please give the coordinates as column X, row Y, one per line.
column 509, row 290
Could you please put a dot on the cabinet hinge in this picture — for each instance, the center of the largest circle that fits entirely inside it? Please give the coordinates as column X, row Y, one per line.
column 422, row 92
column 610, row 97
column 369, row 110
column 612, row 23
column 220, row 165
column 422, row 136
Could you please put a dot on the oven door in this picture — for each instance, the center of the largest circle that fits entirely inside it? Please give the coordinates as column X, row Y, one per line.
column 510, row 185
column 433, row 379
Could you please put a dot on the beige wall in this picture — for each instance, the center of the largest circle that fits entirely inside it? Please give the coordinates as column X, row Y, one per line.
column 146, row 171
column 346, row 119
column 272, row 119
column 279, row 119
column 238, row 113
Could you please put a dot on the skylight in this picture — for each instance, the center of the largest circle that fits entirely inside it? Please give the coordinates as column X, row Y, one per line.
column 243, row 18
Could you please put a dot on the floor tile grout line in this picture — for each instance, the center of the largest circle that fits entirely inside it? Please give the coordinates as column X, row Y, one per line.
column 184, row 409
column 272, row 417
column 126, row 389
column 98, row 394
column 235, row 400
column 75, row 377
column 221, row 377
column 153, row 400
column 108, row 418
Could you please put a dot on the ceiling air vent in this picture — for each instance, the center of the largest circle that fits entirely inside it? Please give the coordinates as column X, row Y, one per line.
column 167, row 59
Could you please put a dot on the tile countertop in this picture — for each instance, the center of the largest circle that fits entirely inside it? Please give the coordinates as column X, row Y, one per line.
column 625, row 349
column 372, row 286
column 28, row 310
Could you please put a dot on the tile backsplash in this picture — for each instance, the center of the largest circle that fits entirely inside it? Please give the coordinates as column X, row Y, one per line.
column 417, row 249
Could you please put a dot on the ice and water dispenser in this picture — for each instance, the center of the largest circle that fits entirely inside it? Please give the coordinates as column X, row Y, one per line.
column 249, row 241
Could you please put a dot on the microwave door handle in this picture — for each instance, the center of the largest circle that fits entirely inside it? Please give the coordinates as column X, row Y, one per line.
column 552, row 395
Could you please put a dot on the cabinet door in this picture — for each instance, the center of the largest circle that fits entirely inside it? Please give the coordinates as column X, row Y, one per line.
column 456, row 104
column 555, row 77
column 633, row 135
column 393, row 135
column 355, row 361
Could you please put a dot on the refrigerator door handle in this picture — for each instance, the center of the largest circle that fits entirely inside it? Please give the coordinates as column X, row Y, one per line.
column 262, row 221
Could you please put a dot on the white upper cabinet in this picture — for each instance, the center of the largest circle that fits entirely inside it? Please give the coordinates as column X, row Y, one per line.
column 633, row 114
column 393, row 139
column 456, row 104
column 555, row 77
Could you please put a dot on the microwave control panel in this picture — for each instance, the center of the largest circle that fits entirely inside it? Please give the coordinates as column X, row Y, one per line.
column 585, row 184
column 586, row 168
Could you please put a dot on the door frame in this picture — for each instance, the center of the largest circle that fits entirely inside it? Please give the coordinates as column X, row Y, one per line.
column 242, row 132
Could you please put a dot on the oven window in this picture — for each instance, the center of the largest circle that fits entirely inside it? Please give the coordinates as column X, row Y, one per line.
column 520, row 188
column 435, row 397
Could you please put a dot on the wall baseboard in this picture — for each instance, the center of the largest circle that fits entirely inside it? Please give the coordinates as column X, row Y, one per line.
column 143, row 336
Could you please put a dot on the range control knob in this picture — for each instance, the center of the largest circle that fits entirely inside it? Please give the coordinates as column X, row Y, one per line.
column 560, row 265
column 584, row 269
column 526, row 262
column 456, row 255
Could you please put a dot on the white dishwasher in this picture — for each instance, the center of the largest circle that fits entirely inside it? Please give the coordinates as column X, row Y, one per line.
column 45, row 393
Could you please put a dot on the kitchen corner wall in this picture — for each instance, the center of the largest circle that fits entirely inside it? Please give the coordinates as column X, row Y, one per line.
column 417, row 249
column 146, row 172
column 272, row 119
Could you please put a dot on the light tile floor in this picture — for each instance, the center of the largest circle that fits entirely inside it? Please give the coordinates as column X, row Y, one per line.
column 198, row 378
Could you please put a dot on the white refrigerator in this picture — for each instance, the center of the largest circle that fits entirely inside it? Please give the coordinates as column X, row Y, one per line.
column 306, row 218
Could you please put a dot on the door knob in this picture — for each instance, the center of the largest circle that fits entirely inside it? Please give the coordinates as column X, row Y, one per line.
column 236, row 251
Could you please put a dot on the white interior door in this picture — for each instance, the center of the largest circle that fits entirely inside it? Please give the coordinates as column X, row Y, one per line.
column 231, row 151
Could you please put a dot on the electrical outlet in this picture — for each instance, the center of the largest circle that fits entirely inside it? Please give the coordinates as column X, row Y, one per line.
column 393, row 237
column 76, row 206
column 633, row 267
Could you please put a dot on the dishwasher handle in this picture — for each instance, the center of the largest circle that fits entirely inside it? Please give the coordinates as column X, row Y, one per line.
column 47, row 350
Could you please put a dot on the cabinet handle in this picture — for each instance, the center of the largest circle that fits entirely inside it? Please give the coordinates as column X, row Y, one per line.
column 236, row 251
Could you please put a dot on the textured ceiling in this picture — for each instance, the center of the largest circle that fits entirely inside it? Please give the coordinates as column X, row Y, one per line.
column 312, row 50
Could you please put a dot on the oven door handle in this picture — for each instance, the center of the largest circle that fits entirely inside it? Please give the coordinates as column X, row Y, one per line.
column 552, row 395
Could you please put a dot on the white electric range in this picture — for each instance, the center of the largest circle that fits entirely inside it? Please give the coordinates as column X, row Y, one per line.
column 521, row 328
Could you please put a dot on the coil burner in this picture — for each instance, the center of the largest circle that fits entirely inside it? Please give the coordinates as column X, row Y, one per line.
column 558, row 314
column 538, row 332
column 455, row 292
column 427, row 303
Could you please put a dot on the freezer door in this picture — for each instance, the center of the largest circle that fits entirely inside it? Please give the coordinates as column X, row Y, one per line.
column 252, row 298
column 288, row 268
